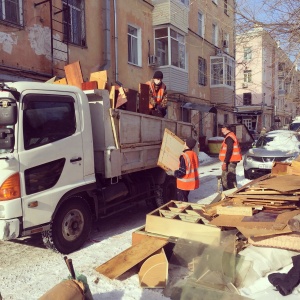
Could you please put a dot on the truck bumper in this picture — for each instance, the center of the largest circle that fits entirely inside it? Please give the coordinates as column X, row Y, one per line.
column 9, row 229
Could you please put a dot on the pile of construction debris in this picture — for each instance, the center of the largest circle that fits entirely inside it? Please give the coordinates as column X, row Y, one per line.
column 202, row 243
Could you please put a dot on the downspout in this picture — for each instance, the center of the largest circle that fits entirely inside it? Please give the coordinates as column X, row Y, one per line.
column 106, row 17
column 116, row 40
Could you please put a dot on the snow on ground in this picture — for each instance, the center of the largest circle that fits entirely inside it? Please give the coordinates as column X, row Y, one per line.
column 28, row 270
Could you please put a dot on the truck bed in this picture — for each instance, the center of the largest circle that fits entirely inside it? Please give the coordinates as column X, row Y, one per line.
column 126, row 141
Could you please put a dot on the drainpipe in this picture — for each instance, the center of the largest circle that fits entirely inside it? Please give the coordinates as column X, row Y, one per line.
column 116, row 40
column 106, row 17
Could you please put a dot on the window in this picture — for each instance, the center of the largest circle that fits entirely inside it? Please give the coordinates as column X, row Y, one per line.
column 202, row 69
column 74, row 22
column 11, row 11
column 281, row 66
column 47, row 118
column 201, row 24
column 185, row 2
column 226, row 119
column 215, row 34
column 222, row 71
column 281, row 84
column 247, row 76
column 170, row 47
column 247, row 53
column 226, row 7
column 43, row 177
column 134, row 46
column 226, row 42
column 247, row 98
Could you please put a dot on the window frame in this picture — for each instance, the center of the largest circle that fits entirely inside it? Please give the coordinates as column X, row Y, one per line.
column 247, row 53
column 222, row 71
column 215, row 34
column 70, row 35
column 201, row 27
column 130, row 37
column 19, row 21
column 202, row 71
column 169, row 41
column 247, row 76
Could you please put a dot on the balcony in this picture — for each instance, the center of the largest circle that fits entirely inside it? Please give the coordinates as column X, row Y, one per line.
column 171, row 12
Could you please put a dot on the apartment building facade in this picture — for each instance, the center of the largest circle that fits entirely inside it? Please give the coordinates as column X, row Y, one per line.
column 191, row 42
column 267, row 88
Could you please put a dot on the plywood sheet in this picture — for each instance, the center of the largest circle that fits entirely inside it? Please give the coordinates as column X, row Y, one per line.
column 284, row 183
column 127, row 259
column 100, row 77
column 170, row 151
column 74, row 74
column 154, row 271
column 61, row 81
column 144, row 98
column 285, row 241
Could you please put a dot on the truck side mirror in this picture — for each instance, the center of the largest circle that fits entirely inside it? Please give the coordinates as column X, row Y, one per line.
column 7, row 138
column 8, row 112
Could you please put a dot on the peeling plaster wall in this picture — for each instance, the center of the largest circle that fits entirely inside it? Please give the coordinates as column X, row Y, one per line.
column 7, row 41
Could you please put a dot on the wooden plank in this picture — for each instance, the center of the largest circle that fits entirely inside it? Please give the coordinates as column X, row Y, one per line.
column 127, row 259
column 74, row 74
column 131, row 96
column 143, row 106
column 112, row 96
column 154, row 271
column 89, row 85
column 285, row 241
column 170, row 151
column 100, row 77
column 121, row 100
column 275, row 197
column 61, row 81
column 284, row 183
column 114, row 125
column 234, row 210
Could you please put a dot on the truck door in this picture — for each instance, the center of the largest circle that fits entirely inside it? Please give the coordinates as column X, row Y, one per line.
column 51, row 153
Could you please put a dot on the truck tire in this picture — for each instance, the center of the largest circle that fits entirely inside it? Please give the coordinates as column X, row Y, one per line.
column 70, row 227
column 166, row 191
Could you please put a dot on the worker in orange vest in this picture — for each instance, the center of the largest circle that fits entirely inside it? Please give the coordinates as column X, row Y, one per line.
column 157, row 93
column 187, row 174
column 230, row 154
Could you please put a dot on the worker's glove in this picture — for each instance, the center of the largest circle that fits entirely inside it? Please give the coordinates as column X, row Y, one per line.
column 170, row 173
column 224, row 167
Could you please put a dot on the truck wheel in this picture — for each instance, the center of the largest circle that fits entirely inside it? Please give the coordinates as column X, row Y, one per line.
column 166, row 192
column 70, row 228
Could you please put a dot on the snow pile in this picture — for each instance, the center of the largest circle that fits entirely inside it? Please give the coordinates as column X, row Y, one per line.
column 203, row 157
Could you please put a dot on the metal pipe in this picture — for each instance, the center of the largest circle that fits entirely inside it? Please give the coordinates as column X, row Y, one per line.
column 116, row 40
column 106, row 63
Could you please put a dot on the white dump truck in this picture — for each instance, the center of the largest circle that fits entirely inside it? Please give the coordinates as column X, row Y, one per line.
column 67, row 158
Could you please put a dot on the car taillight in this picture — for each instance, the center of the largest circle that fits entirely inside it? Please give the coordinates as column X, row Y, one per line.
column 10, row 188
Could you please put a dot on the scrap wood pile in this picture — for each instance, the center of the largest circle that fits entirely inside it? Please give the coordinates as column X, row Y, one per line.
column 266, row 210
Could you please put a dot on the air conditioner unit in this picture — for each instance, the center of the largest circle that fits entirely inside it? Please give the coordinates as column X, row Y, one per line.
column 245, row 85
column 152, row 60
column 219, row 52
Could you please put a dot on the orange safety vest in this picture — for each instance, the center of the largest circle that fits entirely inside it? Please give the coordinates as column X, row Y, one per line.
column 236, row 153
column 157, row 95
column 190, row 181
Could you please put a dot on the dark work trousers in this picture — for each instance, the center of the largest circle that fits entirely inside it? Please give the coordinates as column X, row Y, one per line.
column 229, row 177
column 183, row 195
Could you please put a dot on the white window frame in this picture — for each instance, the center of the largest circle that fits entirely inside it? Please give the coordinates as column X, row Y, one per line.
column 247, row 53
column 19, row 11
column 135, row 40
column 248, row 76
column 201, row 24
column 202, row 71
column 226, row 38
column 222, row 71
column 173, row 38
column 215, row 35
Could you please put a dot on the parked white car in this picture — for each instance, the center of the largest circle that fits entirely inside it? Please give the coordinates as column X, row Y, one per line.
column 274, row 146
